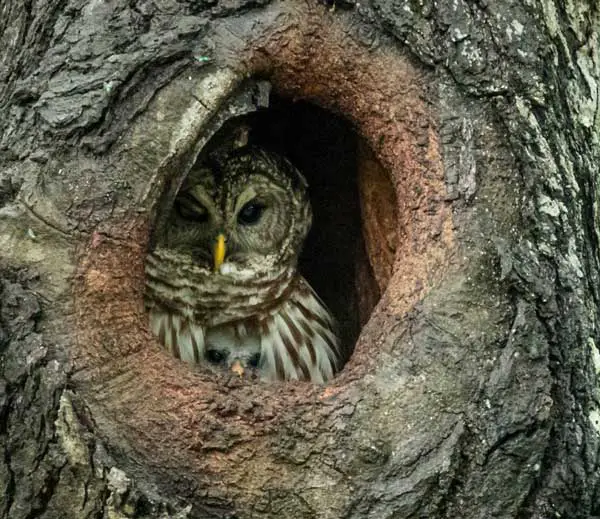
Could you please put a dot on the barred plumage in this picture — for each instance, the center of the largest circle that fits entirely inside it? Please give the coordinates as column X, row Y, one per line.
column 250, row 309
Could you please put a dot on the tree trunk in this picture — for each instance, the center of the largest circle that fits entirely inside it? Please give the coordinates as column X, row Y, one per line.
column 473, row 388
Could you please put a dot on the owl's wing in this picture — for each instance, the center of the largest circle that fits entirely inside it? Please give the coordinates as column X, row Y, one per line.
column 299, row 341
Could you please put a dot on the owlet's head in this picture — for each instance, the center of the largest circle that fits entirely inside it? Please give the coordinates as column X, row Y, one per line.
column 248, row 208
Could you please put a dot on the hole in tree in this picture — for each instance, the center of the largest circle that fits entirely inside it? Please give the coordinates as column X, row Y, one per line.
column 346, row 184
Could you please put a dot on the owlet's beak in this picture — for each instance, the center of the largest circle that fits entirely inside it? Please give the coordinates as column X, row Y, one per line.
column 237, row 368
column 219, row 252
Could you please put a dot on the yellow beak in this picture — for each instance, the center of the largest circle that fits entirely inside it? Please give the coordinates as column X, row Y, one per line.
column 237, row 367
column 219, row 252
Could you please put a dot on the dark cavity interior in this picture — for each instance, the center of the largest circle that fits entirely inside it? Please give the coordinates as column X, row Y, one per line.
column 325, row 148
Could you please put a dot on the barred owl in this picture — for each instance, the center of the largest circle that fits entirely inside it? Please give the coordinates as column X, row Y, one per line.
column 222, row 285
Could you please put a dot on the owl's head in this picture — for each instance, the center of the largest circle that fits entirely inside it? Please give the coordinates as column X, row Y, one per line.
column 249, row 208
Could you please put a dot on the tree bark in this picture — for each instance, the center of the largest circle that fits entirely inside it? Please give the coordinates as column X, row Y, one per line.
column 473, row 389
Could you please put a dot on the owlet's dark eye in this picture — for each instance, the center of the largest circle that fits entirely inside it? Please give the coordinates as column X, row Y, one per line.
column 250, row 213
column 214, row 356
column 190, row 209
column 254, row 360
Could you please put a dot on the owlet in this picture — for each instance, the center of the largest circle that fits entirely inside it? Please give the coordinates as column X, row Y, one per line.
column 222, row 285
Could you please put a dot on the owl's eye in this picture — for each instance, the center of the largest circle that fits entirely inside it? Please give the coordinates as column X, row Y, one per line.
column 190, row 209
column 214, row 356
column 254, row 360
column 250, row 213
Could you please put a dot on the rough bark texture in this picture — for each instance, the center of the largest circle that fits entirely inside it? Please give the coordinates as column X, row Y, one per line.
column 473, row 390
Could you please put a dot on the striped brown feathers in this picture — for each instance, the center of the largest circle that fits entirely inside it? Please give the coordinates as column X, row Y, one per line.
column 222, row 286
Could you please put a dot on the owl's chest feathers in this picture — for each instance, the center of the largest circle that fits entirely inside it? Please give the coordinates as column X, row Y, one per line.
column 210, row 299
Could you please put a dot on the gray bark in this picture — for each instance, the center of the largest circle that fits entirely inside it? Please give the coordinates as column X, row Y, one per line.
column 473, row 390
